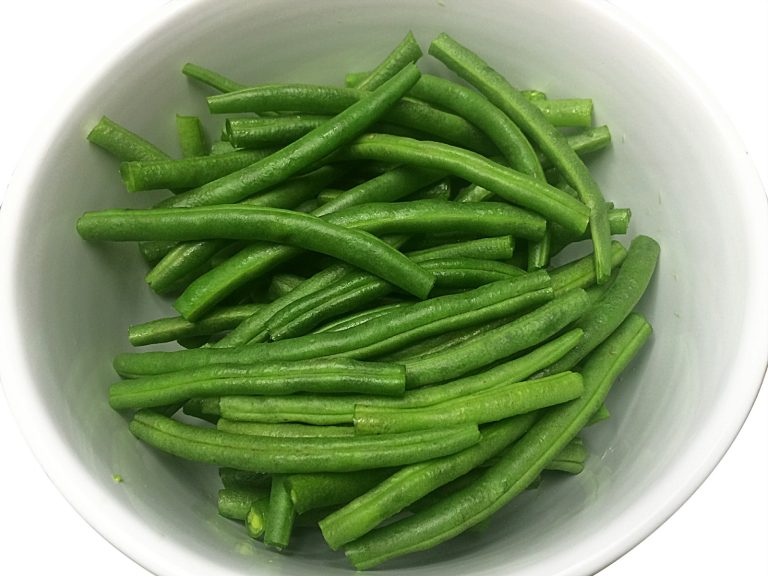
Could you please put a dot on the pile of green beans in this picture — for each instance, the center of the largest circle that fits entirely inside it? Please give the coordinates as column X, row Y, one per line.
column 376, row 332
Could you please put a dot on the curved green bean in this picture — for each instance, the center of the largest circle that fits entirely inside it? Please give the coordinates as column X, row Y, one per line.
column 256, row 223
column 516, row 468
column 292, row 455
column 520, row 189
column 549, row 139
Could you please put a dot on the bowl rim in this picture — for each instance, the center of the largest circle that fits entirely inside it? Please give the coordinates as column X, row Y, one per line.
column 120, row 529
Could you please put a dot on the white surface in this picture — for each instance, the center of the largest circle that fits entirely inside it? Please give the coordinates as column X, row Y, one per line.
column 721, row 529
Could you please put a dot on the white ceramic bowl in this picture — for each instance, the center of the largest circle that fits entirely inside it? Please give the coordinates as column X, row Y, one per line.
column 65, row 304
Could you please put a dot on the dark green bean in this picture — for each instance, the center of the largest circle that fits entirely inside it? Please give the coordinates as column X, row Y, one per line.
column 293, row 455
column 621, row 298
column 517, row 467
column 256, row 223
column 361, row 317
column 175, row 328
column 303, row 152
column 282, row 284
column 503, row 401
column 317, row 376
column 513, row 186
column 549, row 139
column 524, row 332
column 233, row 478
column 411, row 483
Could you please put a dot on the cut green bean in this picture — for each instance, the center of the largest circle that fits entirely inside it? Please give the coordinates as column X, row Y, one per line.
column 499, row 402
column 511, row 185
column 517, row 467
column 580, row 273
column 317, row 376
column 293, row 455
column 211, row 78
column 280, row 515
column 361, row 317
column 570, row 459
column 175, row 328
column 192, row 140
column 583, row 142
column 282, row 430
column 188, row 172
column 233, row 478
column 567, row 112
column 234, row 503
column 122, row 143
column 256, row 519
column 548, row 138
column 324, row 489
column 411, row 483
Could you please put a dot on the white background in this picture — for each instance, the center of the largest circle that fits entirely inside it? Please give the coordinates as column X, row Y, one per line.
column 722, row 529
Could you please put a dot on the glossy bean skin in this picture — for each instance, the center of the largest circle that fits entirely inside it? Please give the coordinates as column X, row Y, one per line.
column 256, row 223
column 192, row 139
column 294, row 455
column 211, row 78
column 317, row 376
column 411, row 483
column 303, row 152
column 122, row 143
column 517, row 466
column 452, row 308
column 531, row 121
column 280, row 514
column 408, row 50
column 323, row 489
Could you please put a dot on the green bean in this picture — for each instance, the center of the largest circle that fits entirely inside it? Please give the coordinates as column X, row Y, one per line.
column 580, row 273
column 621, row 298
column 187, row 257
column 233, row 478
column 122, row 143
column 324, row 489
column 527, row 330
column 311, row 99
column 434, row 312
column 549, row 139
column 317, row 376
column 192, row 140
column 361, row 317
column 567, row 112
column 411, row 483
column 282, row 430
column 176, row 327
column 408, row 50
column 493, row 248
column 583, row 142
column 471, row 105
column 255, row 521
column 517, row 467
column 282, row 284
column 293, row 455
column 189, row 172
column 280, row 515
column 503, row 401
column 234, row 503
column 513, row 186
column 618, row 222
column 570, row 459
column 356, row 289
column 602, row 414
column 339, row 409
column 302, row 153
column 256, row 223
column 211, row 78
column 257, row 259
